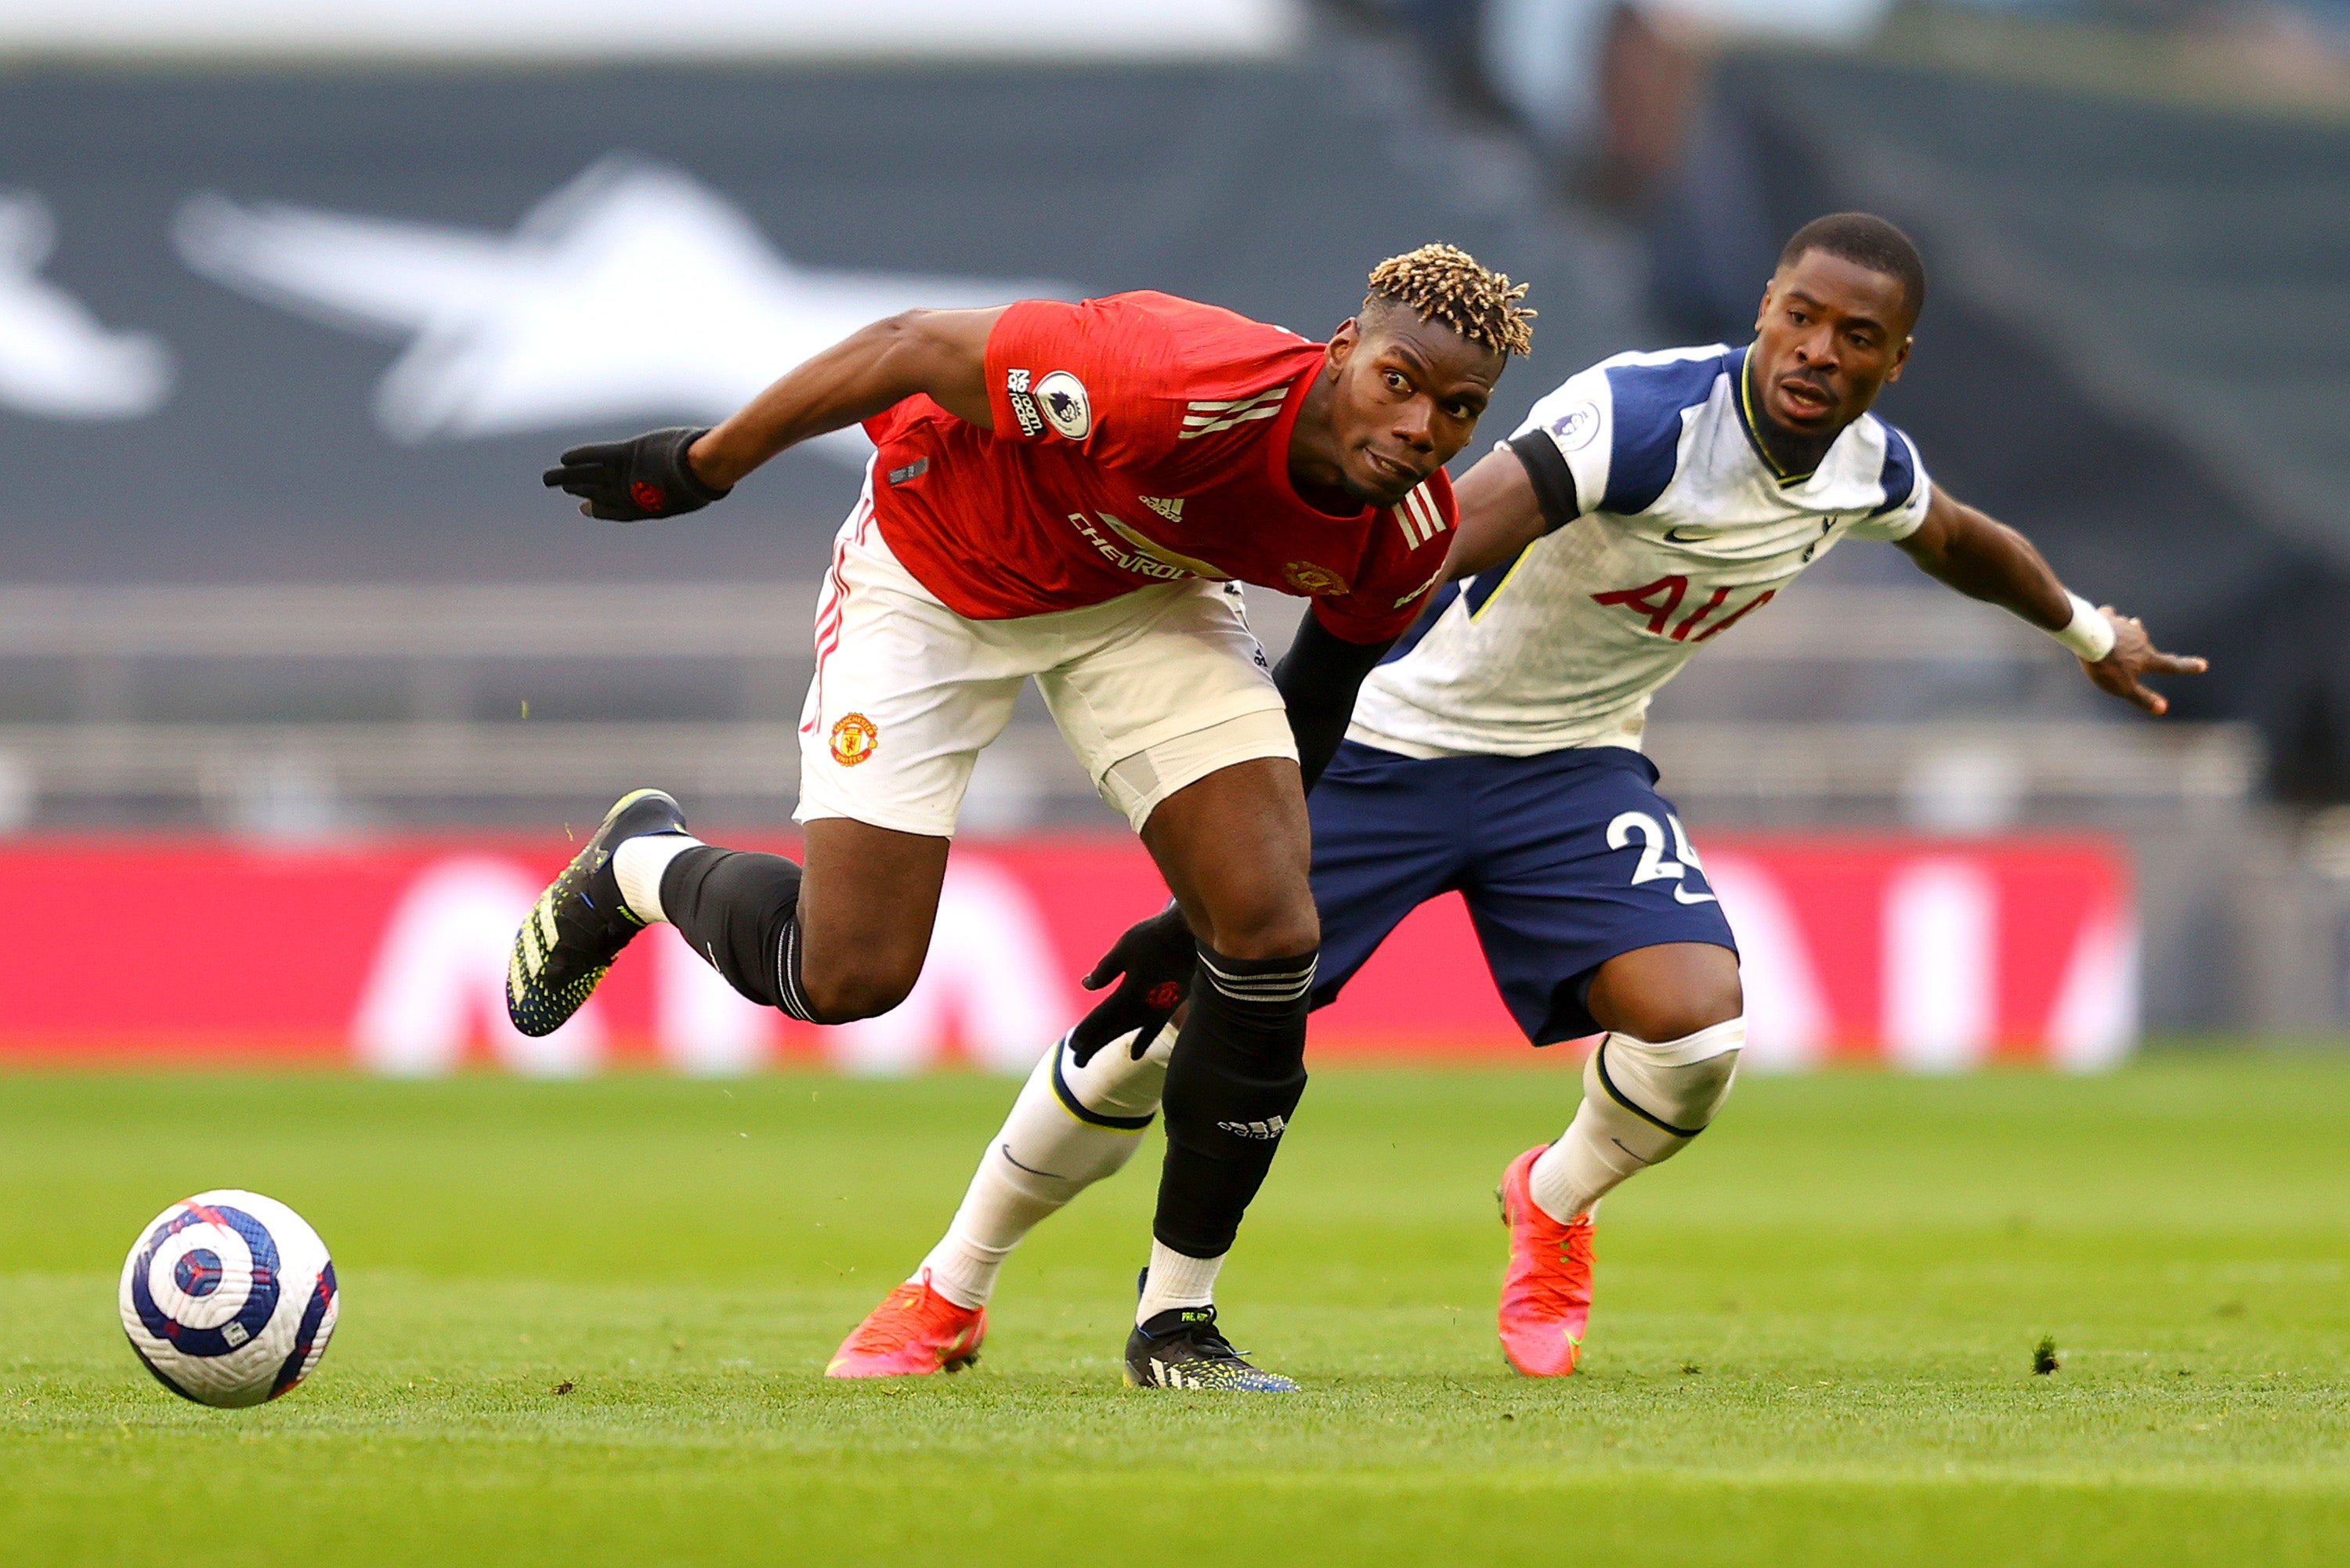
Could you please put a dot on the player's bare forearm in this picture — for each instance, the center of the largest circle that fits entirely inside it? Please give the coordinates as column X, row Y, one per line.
column 941, row 353
column 1499, row 515
column 1985, row 559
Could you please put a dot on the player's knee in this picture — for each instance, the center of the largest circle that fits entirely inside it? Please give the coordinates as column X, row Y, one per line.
column 1669, row 992
column 1678, row 1017
column 1267, row 927
column 864, row 986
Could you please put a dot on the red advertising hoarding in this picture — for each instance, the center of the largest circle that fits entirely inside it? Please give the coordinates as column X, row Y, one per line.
column 390, row 955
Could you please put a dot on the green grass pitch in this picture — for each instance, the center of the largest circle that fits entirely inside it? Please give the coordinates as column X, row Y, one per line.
column 1813, row 1342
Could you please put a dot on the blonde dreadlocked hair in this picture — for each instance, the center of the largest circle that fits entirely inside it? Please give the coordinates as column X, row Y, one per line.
column 1444, row 283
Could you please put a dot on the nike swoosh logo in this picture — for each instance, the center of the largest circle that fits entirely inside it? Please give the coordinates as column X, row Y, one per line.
column 1674, row 536
column 1006, row 1149
column 1683, row 896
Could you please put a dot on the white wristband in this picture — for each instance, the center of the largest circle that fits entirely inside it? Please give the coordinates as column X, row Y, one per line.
column 2088, row 634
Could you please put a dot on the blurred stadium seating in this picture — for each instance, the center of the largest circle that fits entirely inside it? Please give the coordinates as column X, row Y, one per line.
column 296, row 300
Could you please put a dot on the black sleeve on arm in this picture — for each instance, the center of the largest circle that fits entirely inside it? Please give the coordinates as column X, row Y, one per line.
column 1318, row 678
column 1553, row 481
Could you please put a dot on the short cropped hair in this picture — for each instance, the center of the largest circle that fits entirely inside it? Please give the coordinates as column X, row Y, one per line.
column 1445, row 283
column 1865, row 240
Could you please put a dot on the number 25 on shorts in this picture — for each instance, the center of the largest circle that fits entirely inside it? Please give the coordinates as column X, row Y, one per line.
column 1655, row 865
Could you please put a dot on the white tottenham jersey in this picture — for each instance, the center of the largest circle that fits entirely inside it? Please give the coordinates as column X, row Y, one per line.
column 1681, row 527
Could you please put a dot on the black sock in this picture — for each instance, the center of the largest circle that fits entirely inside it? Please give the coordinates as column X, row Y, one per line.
column 739, row 910
column 1232, row 1083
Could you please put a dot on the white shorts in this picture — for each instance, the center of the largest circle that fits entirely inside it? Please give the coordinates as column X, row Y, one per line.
column 1152, row 690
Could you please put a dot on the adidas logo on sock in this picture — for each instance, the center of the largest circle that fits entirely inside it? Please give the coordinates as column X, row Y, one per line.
column 1265, row 1131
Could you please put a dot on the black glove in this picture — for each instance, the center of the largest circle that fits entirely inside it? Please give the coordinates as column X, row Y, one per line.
column 629, row 481
column 1155, row 956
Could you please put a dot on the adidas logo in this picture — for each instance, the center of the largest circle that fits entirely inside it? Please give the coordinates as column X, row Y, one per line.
column 1168, row 506
column 1170, row 1376
column 1265, row 1131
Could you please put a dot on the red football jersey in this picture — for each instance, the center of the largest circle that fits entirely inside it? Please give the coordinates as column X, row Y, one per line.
column 1138, row 438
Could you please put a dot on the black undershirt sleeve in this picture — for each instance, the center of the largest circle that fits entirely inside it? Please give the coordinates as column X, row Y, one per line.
column 1318, row 678
column 1553, row 481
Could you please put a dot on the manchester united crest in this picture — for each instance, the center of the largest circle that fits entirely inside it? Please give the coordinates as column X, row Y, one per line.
column 853, row 738
column 1305, row 578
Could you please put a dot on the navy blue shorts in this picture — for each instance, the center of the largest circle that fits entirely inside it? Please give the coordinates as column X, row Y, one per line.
column 1566, row 859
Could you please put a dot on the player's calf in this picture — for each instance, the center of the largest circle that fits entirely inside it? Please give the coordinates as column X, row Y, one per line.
column 1071, row 1127
column 737, row 908
column 745, row 913
column 1643, row 1102
column 1236, row 1075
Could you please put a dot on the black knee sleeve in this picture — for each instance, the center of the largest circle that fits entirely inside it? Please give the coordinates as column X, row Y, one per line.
column 741, row 910
column 1233, row 1081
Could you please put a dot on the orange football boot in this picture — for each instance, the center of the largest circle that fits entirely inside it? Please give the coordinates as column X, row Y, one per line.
column 914, row 1330
column 1546, row 1295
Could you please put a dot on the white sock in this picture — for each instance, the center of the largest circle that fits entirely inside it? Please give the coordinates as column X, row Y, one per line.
column 1176, row 1280
column 1043, row 1156
column 1677, row 1083
column 639, row 863
column 1570, row 1176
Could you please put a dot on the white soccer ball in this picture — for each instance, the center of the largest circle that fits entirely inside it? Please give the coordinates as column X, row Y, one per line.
column 229, row 1298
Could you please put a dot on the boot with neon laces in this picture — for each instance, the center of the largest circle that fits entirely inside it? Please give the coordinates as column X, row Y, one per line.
column 914, row 1332
column 570, row 939
column 1546, row 1295
column 1183, row 1349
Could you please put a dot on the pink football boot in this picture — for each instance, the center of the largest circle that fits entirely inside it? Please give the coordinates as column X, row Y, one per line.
column 913, row 1331
column 1546, row 1295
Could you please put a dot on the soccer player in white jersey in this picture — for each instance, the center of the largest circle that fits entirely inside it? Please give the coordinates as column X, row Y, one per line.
column 1646, row 507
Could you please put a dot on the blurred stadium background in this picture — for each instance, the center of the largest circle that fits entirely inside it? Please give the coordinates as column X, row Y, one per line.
column 299, row 665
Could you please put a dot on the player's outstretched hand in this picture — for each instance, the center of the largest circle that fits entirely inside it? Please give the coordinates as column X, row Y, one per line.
column 2135, row 656
column 629, row 481
column 1155, row 956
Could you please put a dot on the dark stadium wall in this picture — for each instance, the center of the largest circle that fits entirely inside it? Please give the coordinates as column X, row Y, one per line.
column 2014, row 409
column 280, row 451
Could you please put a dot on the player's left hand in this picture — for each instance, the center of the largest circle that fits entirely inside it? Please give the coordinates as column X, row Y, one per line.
column 1154, row 958
column 629, row 481
column 2135, row 656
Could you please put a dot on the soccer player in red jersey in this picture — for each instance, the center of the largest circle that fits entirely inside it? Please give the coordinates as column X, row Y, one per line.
column 1071, row 493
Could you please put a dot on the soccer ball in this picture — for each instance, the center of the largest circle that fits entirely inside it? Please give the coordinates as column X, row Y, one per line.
column 229, row 1298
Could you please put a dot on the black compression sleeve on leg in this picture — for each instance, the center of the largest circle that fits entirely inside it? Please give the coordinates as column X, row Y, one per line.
column 740, row 910
column 1232, row 1083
